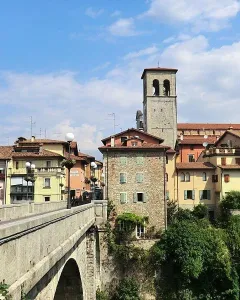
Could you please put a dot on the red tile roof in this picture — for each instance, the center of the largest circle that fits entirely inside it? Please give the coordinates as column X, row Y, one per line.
column 197, row 140
column 6, row 152
column 171, row 151
column 227, row 167
column 137, row 131
column 42, row 141
column 195, row 165
column 43, row 153
column 211, row 126
column 158, row 69
column 146, row 146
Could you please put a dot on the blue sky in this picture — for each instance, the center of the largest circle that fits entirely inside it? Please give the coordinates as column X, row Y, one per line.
column 71, row 63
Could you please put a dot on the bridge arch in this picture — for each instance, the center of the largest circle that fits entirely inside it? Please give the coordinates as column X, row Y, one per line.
column 70, row 284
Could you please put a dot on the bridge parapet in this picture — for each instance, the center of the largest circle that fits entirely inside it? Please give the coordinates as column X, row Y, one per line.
column 16, row 211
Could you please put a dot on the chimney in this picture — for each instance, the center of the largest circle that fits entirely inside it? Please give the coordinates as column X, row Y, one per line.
column 112, row 141
column 40, row 148
column 33, row 138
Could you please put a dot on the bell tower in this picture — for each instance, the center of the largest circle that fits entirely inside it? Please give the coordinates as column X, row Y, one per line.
column 160, row 104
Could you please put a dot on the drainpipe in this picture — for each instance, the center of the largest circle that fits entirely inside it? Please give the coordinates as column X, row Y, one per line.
column 164, row 188
column 5, row 184
column 177, row 191
column 107, row 174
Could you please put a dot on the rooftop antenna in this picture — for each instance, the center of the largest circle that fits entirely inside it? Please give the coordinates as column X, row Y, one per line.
column 45, row 133
column 205, row 144
column 40, row 134
column 114, row 121
column 32, row 123
column 158, row 64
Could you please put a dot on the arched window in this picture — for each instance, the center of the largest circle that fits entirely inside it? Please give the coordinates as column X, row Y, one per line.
column 166, row 87
column 155, row 87
column 187, row 177
column 182, row 177
column 204, row 176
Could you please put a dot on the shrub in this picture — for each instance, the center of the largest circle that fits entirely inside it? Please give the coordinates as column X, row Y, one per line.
column 127, row 290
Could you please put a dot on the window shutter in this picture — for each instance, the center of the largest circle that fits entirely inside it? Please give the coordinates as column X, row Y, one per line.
column 209, row 195
column 135, row 197
column 123, row 160
column 139, row 160
column 200, row 195
column 141, row 177
column 193, row 195
column 123, row 198
column 145, row 198
column 167, row 195
column 185, row 195
column 123, row 178
column 137, row 177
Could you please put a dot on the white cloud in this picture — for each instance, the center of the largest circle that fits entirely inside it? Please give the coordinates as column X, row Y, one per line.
column 143, row 52
column 90, row 12
column 123, row 27
column 209, row 15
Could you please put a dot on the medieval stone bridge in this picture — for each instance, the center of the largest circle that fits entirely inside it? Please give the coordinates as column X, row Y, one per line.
column 51, row 255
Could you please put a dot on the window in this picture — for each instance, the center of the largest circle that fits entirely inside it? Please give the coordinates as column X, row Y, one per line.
column 140, row 160
column 1, row 172
column 214, row 178
column 48, row 162
column 166, row 177
column 123, row 160
column 187, row 178
column 17, row 165
column 155, row 87
column 166, row 159
column 223, row 161
column 123, row 177
column 166, row 87
column 139, row 177
column 167, row 195
column 123, row 139
column 205, row 195
column 189, row 195
column 134, row 144
column 140, row 231
column 191, row 147
column 123, row 198
column 191, row 158
column 47, row 198
column 47, row 182
column 204, row 176
column 237, row 160
column 139, row 197
column 182, row 177
column 226, row 177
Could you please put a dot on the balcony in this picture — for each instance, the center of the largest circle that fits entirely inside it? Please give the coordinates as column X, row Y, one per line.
column 39, row 171
column 212, row 151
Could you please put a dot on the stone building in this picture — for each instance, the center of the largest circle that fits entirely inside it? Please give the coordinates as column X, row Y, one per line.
column 134, row 164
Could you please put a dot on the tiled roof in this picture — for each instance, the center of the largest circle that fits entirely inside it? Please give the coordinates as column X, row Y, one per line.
column 78, row 158
column 137, row 131
column 227, row 167
column 42, row 141
column 85, row 155
column 200, row 126
column 158, row 69
column 171, row 151
column 197, row 140
column 6, row 152
column 146, row 146
column 195, row 165
column 43, row 153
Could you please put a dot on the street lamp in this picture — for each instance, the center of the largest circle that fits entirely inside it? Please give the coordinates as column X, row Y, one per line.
column 93, row 166
column 30, row 169
column 69, row 138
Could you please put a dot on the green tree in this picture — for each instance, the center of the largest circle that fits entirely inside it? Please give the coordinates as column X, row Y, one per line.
column 230, row 201
column 194, row 262
column 127, row 290
column 200, row 211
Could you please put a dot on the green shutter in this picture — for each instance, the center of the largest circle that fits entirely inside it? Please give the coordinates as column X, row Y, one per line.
column 123, row 198
column 167, row 195
column 185, row 195
column 139, row 160
column 145, row 199
column 123, row 178
column 135, row 197
column 139, row 177
column 193, row 195
column 123, row 160
column 209, row 195
column 200, row 195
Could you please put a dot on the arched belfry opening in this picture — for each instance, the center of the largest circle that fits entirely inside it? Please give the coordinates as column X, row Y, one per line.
column 166, row 87
column 155, row 87
column 70, row 285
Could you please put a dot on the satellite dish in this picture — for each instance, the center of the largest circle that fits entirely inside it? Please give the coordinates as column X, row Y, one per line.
column 205, row 144
column 205, row 136
column 181, row 137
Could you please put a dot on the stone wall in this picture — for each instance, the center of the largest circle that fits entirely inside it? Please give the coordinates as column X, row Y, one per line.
column 152, row 185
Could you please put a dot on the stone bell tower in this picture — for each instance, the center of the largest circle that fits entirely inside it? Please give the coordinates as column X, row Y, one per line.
column 160, row 104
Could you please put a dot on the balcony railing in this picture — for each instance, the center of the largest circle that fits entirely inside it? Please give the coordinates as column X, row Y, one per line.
column 38, row 170
column 220, row 151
